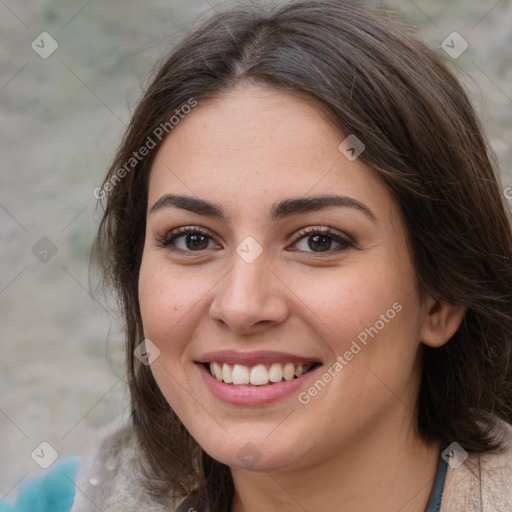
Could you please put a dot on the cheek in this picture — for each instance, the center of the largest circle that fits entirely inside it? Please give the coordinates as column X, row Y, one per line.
column 168, row 300
column 169, row 307
column 344, row 302
column 370, row 316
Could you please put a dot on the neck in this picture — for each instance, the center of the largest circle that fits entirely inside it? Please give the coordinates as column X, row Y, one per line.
column 388, row 469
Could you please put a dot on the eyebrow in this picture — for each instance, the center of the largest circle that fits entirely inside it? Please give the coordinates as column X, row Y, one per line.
column 280, row 210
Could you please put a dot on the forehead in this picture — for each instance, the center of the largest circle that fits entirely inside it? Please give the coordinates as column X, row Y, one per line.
column 254, row 145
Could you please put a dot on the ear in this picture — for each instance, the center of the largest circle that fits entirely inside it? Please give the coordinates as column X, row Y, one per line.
column 441, row 322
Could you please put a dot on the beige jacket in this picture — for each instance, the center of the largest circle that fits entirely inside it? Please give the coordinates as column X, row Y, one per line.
column 483, row 483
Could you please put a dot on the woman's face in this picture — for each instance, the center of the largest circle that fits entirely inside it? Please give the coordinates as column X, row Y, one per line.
column 261, row 285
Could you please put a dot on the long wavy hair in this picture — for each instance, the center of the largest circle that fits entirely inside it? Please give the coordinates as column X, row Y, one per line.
column 425, row 143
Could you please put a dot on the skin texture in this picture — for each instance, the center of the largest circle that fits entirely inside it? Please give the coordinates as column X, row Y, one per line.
column 353, row 446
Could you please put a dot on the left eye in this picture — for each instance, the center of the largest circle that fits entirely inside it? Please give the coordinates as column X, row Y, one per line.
column 318, row 240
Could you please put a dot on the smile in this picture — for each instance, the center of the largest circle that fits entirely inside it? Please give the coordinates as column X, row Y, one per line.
column 259, row 374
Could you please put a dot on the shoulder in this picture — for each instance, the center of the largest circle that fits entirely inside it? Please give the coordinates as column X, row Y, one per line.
column 110, row 480
column 496, row 475
column 483, row 482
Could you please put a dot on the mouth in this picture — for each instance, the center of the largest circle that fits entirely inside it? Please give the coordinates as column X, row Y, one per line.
column 252, row 379
column 261, row 374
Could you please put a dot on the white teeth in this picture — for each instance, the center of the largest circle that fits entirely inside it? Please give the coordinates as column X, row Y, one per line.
column 258, row 375
column 288, row 371
column 240, row 374
column 216, row 370
column 275, row 374
column 227, row 373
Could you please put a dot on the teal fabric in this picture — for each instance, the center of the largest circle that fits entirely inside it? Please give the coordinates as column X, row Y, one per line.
column 52, row 492
column 434, row 503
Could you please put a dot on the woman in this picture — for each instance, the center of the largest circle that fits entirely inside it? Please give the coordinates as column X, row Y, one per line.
column 313, row 257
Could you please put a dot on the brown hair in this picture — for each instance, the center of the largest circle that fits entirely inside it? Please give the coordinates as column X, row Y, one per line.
column 422, row 138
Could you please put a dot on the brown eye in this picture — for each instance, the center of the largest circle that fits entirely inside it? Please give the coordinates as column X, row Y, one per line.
column 321, row 242
column 195, row 241
column 188, row 240
column 318, row 240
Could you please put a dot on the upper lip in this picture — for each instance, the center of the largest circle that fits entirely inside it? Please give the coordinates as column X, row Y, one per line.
column 253, row 358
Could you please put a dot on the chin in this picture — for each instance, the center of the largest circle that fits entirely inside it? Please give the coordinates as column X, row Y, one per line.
column 253, row 453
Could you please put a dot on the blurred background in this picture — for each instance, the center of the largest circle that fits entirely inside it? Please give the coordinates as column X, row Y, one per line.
column 71, row 73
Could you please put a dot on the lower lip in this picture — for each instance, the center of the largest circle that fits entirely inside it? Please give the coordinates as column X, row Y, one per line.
column 253, row 395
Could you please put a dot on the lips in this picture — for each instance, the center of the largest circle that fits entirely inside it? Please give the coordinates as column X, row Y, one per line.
column 254, row 378
column 253, row 358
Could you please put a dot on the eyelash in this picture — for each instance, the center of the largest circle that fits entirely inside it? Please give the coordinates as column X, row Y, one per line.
column 168, row 240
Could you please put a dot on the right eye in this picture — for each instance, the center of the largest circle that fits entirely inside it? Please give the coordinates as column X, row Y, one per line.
column 187, row 239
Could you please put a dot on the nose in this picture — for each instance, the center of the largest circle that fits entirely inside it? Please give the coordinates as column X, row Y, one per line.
column 250, row 298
